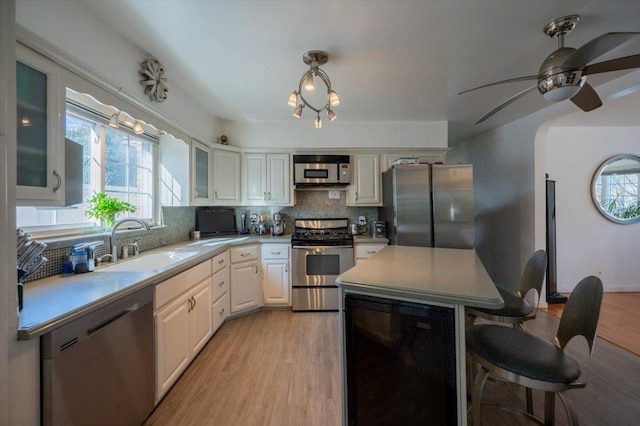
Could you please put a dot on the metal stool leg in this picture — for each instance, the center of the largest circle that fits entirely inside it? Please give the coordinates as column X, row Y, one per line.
column 549, row 408
column 478, row 386
column 529, row 393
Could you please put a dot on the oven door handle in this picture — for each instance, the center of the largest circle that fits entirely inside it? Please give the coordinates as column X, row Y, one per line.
column 309, row 248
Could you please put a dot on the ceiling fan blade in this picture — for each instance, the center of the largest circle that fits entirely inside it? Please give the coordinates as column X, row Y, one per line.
column 507, row 103
column 511, row 80
column 587, row 99
column 596, row 48
column 625, row 63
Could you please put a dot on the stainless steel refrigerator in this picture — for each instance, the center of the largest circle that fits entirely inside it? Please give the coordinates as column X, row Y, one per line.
column 429, row 205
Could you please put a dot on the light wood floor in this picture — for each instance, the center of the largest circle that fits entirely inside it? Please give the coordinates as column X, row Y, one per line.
column 619, row 319
column 281, row 368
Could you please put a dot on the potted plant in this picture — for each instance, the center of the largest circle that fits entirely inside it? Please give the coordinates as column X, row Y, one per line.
column 105, row 208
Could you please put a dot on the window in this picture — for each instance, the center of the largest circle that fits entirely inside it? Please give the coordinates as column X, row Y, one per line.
column 116, row 161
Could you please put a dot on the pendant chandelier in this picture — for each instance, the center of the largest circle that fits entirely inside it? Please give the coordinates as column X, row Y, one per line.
column 314, row 58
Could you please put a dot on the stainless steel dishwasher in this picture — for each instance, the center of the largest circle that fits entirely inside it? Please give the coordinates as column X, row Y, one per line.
column 99, row 369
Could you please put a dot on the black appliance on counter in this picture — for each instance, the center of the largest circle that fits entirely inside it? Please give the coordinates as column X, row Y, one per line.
column 215, row 221
column 401, row 362
column 322, row 249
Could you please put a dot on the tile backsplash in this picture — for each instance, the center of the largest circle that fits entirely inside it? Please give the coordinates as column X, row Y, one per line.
column 178, row 222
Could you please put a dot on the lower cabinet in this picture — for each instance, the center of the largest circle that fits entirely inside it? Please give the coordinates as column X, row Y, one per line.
column 276, row 276
column 183, row 322
column 245, row 278
column 220, row 281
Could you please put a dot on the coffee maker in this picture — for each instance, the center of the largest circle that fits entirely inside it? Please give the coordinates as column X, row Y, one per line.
column 278, row 224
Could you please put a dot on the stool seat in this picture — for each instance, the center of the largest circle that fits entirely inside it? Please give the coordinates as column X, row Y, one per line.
column 522, row 353
column 514, row 305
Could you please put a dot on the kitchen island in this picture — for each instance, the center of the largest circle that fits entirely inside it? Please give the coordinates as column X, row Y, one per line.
column 404, row 307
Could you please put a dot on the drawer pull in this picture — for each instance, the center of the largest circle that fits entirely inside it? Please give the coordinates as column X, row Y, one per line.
column 245, row 254
column 221, row 261
column 221, row 313
column 275, row 252
column 371, row 252
column 221, row 284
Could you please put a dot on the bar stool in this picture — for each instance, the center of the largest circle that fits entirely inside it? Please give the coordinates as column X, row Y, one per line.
column 521, row 306
column 512, row 355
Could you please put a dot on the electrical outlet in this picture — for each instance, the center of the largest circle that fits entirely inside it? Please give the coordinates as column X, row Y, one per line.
column 334, row 195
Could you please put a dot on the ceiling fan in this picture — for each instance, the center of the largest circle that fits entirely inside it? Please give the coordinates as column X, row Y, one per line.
column 563, row 73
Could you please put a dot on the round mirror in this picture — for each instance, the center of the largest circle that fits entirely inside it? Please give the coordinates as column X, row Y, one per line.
column 614, row 189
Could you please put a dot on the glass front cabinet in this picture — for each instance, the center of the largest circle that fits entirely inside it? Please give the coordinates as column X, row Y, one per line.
column 201, row 162
column 40, row 130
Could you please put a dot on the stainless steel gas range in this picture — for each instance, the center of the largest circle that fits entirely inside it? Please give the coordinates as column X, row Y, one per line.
column 322, row 249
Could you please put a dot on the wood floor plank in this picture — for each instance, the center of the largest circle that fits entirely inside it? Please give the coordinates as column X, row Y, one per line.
column 281, row 368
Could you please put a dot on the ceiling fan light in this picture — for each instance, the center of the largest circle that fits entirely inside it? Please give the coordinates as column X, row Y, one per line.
column 297, row 113
column 308, row 83
column 293, row 99
column 318, row 122
column 114, row 121
column 137, row 128
column 334, row 99
column 331, row 115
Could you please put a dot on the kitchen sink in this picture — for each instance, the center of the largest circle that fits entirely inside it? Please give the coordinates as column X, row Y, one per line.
column 149, row 262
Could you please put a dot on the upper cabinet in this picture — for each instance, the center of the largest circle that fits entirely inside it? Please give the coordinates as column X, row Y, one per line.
column 40, row 130
column 226, row 178
column 434, row 155
column 267, row 179
column 365, row 185
column 201, row 161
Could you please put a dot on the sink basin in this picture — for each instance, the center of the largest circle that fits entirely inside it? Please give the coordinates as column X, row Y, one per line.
column 149, row 262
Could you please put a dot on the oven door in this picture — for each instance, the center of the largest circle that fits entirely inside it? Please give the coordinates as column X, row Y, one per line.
column 319, row 266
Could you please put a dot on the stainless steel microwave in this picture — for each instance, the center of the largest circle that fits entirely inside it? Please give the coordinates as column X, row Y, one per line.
column 321, row 170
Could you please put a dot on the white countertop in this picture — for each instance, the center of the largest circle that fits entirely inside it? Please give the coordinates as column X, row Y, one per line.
column 453, row 276
column 54, row 301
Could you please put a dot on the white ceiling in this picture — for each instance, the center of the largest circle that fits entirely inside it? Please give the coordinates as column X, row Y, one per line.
column 389, row 60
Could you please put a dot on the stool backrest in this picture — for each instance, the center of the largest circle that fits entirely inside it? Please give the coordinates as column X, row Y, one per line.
column 533, row 275
column 581, row 313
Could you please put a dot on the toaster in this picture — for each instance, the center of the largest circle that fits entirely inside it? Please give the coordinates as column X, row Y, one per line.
column 379, row 229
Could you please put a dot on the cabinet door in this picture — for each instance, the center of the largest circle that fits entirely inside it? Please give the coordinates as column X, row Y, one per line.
column 201, row 193
column 276, row 282
column 172, row 344
column 365, row 188
column 254, row 182
column 278, row 179
column 220, row 311
column 244, row 286
column 40, row 134
column 200, row 318
column 226, row 178
column 424, row 156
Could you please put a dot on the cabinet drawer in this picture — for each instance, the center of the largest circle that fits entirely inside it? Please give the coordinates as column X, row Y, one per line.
column 364, row 251
column 244, row 253
column 219, row 262
column 220, row 311
column 275, row 251
column 168, row 290
column 220, row 283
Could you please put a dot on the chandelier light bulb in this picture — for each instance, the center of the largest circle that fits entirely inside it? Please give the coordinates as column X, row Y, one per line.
column 309, row 84
column 297, row 113
column 137, row 128
column 114, row 121
column 293, row 99
column 318, row 122
column 334, row 99
column 331, row 115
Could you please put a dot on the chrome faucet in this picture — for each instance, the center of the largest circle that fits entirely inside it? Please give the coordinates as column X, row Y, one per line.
column 114, row 247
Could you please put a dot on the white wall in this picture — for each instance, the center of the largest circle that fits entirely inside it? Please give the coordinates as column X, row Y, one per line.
column 301, row 134
column 587, row 243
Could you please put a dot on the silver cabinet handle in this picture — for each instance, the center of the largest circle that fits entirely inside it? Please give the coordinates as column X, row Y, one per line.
column 264, row 196
column 194, row 302
column 221, row 261
column 356, row 195
column 190, row 305
column 221, row 284
column 59, row 183
column 221, row 313
column 275, row 252
column 256, row 268
column 286, row 268
column 372, row 252
column 269, row 195
column 245, row 254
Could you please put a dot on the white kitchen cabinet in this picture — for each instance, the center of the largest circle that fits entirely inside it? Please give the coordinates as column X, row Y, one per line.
column 220, row 283
column 267, row 179
column 183, row 322
column 276, row 276
column 40, row 130
column 364, row 251
column 201, row 179
column 245, row 278
column 432, row 156
column 226, row 178
column 365, row 184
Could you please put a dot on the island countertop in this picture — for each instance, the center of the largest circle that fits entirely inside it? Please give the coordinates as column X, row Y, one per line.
column 453, row 276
